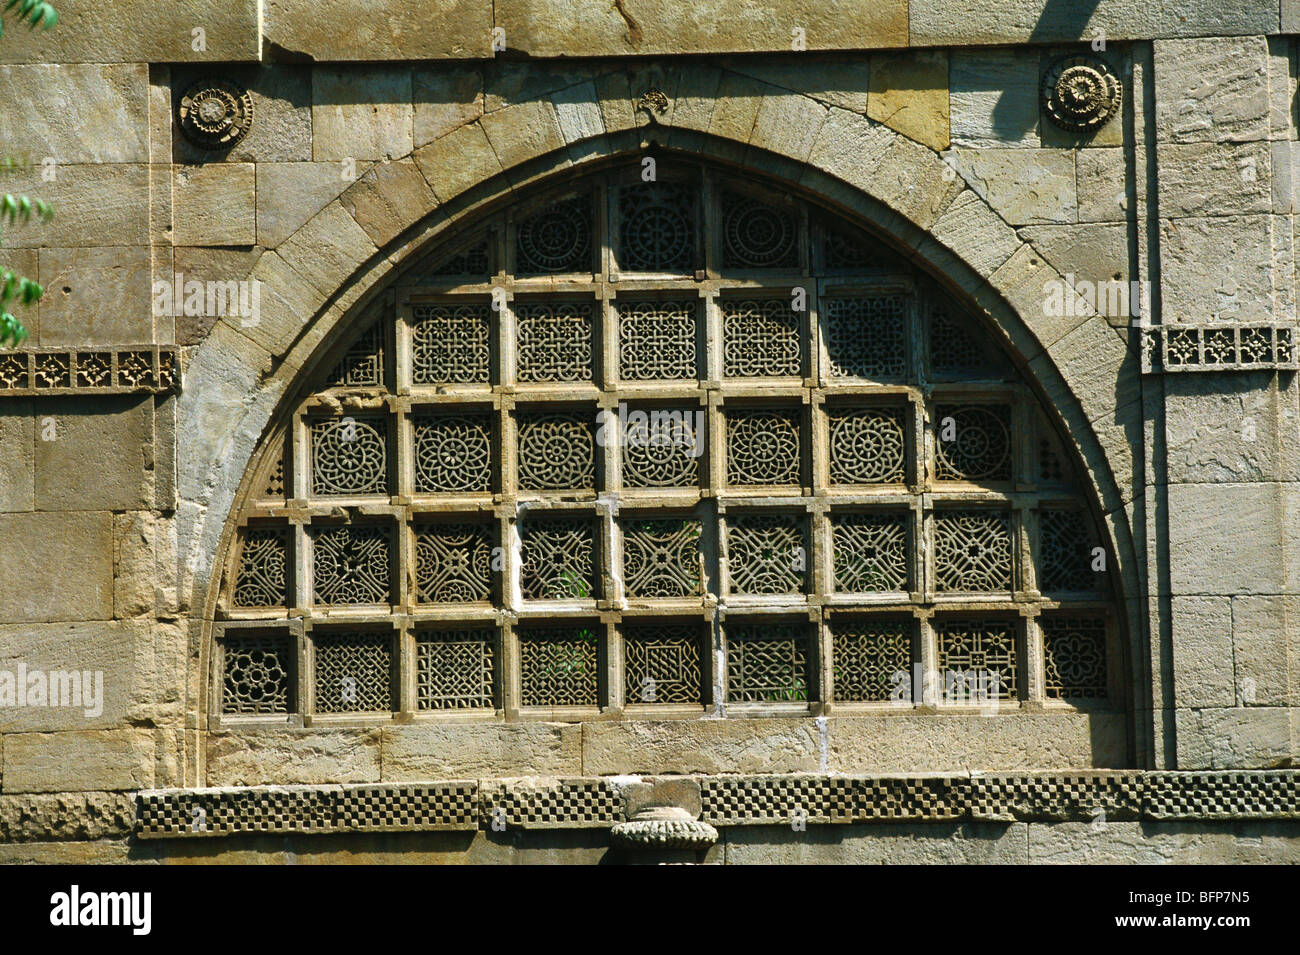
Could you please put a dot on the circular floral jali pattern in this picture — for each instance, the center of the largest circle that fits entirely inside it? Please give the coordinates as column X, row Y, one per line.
column 1081, row 94
column 215, row 114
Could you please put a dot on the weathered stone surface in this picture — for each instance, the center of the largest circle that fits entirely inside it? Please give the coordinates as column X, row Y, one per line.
column 1219, row 179
column 459, row 160
column 1096, row 363
column 947, row 742
column 221, row 265
column 289, row 194
column 1028, row 282
column 444, row 98
column 993, row 98
column 281, row 129
column 788, row 124
column 453, row 750
column 124, row 672
column 1212, row 89
column 103, row 852
column 553, row 28
column 1024, row 186
column 1228, row 538
column 389, row 198
column 102, row 204
column 137, row 31
column 1217, row 267
column 328, row 30
column 289, row 756
column 27, row 818
column 837, row 81
column 1202, row 635
column 700, row 746
column 96, row 296
column 1101, row 181
column 327, row 249
column 909, row 93
column 1265, row 640
column 967, row 843
column 1096, row 254
column 17, row 456
column 1107, row 842
column 359, row 115
column 521, row 133
column 95, row 453
column 101, row 116
column 215, row 204
column 1247, row 434
column 977, row 234
column 77, row 546
column 108, row 760
column 1234, row 738
column 936, row 22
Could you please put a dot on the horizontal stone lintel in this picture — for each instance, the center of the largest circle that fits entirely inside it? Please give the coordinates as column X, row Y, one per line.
column 1218, row 346
column 123, row 369
column 598, row 802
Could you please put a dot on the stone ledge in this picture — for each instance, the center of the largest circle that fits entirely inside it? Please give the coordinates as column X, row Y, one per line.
column 1218, row 346
column 134, row 369
column 586, row 803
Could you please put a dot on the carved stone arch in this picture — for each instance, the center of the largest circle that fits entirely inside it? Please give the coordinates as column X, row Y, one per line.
column 957, row 237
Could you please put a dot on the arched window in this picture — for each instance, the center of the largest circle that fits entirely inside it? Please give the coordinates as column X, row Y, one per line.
column 657, row 448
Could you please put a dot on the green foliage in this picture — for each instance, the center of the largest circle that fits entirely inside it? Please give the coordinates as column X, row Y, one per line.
column 35, row 13
column 17, row 209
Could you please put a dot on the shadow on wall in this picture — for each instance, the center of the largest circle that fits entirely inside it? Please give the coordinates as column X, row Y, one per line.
column 1060, row 21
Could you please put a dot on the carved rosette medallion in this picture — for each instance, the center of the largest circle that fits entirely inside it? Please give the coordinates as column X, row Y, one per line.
column 215, row 114
column 1081, row 94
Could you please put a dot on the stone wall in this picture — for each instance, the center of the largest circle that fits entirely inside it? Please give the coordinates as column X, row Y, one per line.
column 373, row 133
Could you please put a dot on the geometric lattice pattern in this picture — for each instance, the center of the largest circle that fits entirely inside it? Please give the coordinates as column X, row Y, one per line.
column 262, row 560
column 761, row 338
column 453, row 562
column 867, row 445
column 866, row 337
column 556, row 451
column 450, row 344
column 661, row 558
column 870, row 552
column 763, row 447
column 767, row 664
column 558, row 560
column 766, row 553
column 556, row 239
column 554, row 341
column 663, row 663
column 1065, row 554
column 617, row 406
column 349, row 456
column 977, row 660
column 258, row 674
column 350, row 564
column 657, row 340
column 453, row 453
column 558, row 666
column 454, row 670
column 353, row 672
column 662, row 448
column 758, row 235
column 872, row 660
column 1074, row 657
column 972, row 551
column 974, row 443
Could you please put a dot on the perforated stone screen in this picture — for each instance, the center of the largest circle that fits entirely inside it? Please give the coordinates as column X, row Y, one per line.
column 660, row 447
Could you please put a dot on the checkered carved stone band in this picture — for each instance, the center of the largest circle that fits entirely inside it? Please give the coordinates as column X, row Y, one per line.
column 726, row 801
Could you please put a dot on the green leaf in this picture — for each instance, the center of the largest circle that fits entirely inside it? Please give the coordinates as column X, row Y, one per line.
column 11, row 330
